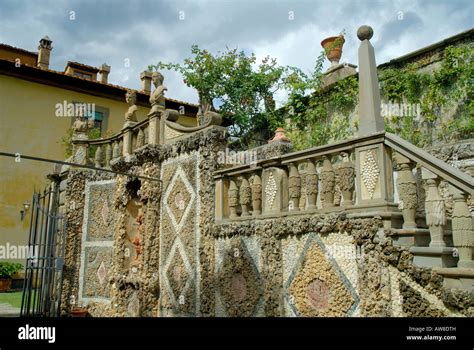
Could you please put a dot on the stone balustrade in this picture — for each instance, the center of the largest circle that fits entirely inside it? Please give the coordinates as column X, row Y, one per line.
column 365, row 176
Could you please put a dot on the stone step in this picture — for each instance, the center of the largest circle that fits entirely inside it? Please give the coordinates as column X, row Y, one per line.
column 457, row 277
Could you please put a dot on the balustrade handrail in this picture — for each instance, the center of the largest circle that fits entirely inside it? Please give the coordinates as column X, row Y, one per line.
column 115, row 137
column 310, row 153
column 445, row 171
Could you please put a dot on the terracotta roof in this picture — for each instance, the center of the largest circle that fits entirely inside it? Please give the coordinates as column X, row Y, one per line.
column 19, row 49
column 82, row 66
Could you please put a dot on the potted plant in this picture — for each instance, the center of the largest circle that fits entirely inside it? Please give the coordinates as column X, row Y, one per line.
column 7, row 270
column 333, row 48
column 78, row 311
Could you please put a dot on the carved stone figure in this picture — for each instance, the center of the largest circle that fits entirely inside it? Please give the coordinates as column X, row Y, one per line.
column 345, row 178
column 206, row 113
column 157, row 98
column 131, row 99
column 81, row 126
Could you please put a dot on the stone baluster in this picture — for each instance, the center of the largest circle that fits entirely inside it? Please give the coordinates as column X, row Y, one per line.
column 127, row 141
column 98, row 156
column 257, row 194
column 108, row 154
column 116, row 150
column 121, row 148
column 311, row 184
column 327, row 183
column 406, row 186
column 140, row 138
column 345, row 178
column 435, row 210
column 294, row 187
column 245, row 196
column 463, row 229
column 233, row 195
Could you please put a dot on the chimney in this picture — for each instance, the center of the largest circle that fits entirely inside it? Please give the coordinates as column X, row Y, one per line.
column 104, row 71
column 145, row 77
column 44, row 52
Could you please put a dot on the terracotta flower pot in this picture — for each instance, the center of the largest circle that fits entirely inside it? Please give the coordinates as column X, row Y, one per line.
column 79, row 312
column 5, row 284
column 333, row 48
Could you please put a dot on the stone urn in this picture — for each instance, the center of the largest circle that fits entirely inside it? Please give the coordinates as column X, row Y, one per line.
column 333, row 48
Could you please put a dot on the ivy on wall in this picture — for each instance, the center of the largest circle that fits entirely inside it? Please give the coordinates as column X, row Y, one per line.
column 325, row 116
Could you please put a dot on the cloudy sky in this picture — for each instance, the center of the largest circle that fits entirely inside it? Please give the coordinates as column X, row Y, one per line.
column 143, row 32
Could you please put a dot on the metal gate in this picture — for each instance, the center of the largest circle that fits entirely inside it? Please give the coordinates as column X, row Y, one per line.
column 44, row 265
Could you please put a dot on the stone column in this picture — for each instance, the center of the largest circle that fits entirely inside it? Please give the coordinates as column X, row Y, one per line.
column 435, row 211
column 257, row 194
column 127, row 141
column 311, row 184
column 463, row 229
column 98, row 156
column 294, row 187
column 233, row 195
column 220, row 199
column 108, row 155
column 406, row 185
column 328, row 179
column 345, row 178
column 245, row 196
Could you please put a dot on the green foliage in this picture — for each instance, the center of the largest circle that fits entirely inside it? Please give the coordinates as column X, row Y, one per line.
column 447, row 88
column 66, row 141
column 234, row 81
column 8, row 269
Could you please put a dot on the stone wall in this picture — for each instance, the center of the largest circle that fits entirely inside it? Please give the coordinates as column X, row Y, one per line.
column 138, row 247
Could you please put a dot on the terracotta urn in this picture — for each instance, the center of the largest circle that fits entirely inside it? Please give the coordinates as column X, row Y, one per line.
column 79, row 312
column 333, row 48
column 279, row 136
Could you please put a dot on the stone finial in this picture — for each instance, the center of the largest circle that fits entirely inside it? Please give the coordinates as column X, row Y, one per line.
column 371, row 120
column 365, row 32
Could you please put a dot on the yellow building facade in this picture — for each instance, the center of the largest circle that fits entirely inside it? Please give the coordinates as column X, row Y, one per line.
column 30, row 96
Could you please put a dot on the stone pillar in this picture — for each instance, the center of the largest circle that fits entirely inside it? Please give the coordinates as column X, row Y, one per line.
column 256, row 194
column 116, row 150
column 127, row 138
column 156, row 129
column 145, row 77
column 311, row 184
column 233, row 195
column 245, row 196
column 463, row 229
column 406, row 185
column 345, row 178
column 328, row 179
column 370, row 119
column 275, row 193
column 294, row 187
column 374, row 178
column 140, row 138
column 220, row 199
column 435, row 210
